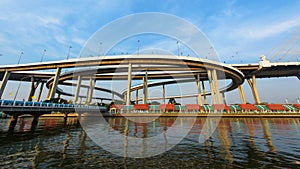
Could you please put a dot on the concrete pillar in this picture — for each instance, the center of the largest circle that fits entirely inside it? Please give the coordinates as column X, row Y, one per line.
column 242, row 94
column 91, row 90
column 199, row 90
column 13, row 122
column 49, row 92
column 224, row 98
column 216, row 85
column 164, row 94
column 77, row 90
column 32, row 89
column 128, row 84
column 137, row 96
column 252, row 85
column 4, row 82
column 34, row 122
column 212, row 89
column 204, row 93
column 113, row 97
column 40, row 92
column 55, row 82
column 145, row 88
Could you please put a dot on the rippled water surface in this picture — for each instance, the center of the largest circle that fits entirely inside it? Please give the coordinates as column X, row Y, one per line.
column 236, row 143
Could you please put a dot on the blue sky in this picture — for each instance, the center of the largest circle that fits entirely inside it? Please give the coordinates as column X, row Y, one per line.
column 239, row 30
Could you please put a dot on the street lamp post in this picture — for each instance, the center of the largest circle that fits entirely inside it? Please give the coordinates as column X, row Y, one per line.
column 44, row 52
column 69, row 52
column 20, row 57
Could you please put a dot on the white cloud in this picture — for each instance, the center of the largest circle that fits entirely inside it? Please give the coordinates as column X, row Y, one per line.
column 47, row 20
column 79, row 41
column 260, row 31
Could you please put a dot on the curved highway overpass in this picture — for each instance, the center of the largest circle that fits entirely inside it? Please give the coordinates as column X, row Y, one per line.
column 150, row 67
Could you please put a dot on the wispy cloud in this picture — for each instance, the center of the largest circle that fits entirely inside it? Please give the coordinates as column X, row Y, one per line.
column 260, row 31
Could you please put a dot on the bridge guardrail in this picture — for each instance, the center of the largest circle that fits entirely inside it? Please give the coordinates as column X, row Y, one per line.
column 16, row 105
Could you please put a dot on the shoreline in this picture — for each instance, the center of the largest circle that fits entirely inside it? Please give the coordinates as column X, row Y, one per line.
column 246, row 115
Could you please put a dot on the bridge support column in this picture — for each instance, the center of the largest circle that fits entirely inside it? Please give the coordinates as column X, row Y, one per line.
column 13, row 122
column 55, row 82
column 252, row 85
column 216, row 86
column 34, row 122
column 224, row 98
column 113, row 97
column 164, row 94
column 33, row 87
column 40, row 92
column 204, row 93
column 212, row 89
column 4, row 82
column 199, row 90
column 242, row 94
column 137, row 96
column 91, row 90
column 145, row 88
column 77, row 90
column 128, row 84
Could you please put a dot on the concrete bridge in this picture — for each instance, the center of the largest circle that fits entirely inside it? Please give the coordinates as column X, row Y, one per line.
column 145, row 68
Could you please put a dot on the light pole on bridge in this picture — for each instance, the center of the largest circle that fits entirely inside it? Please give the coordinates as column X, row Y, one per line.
column 69, row 52
column 44, row 52
column 20, row 57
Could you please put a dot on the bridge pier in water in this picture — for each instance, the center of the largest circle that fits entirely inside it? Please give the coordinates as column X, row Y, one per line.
column 35, row 121
column 13, row 123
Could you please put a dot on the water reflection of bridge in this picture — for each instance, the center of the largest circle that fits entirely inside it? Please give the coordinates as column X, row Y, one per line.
column 240, row 141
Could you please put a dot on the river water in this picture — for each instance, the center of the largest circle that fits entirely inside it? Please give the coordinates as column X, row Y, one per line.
column 235, row 143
